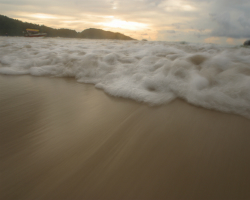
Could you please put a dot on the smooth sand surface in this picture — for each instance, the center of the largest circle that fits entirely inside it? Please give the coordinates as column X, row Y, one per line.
column 63, row 140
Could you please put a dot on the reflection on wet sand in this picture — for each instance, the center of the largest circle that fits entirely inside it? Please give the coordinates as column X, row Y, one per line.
column 64, row 140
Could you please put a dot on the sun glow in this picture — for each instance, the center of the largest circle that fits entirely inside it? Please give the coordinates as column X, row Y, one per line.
column 116, row 23
column 43, row 16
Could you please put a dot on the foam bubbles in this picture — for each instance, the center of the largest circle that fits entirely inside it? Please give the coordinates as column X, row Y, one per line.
column 206, row 75
column 199, row 82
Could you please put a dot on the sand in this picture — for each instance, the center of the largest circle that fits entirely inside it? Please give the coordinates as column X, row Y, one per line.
column 63, row 140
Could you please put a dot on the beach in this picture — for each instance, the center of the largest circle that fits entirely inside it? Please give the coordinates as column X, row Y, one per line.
column 61, row 139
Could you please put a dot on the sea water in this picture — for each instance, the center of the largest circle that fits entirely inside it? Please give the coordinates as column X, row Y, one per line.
column 206, row 75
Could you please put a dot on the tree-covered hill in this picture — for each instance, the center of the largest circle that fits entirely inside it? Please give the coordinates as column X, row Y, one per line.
column 14, row 27
column 93, row 33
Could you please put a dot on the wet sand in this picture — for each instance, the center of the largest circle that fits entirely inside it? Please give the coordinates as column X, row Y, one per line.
column 63, row 140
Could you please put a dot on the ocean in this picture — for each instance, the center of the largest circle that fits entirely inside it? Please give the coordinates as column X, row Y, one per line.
column 207, row 75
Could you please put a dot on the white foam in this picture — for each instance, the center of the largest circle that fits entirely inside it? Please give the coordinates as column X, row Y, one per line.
column 210, row 76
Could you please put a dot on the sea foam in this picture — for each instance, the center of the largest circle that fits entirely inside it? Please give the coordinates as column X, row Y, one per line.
column 206, row 75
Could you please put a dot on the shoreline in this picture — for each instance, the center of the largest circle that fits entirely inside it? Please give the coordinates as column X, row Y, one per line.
column 66, row 140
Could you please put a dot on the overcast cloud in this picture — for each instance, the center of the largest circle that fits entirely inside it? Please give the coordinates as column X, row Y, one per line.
column 213, row 21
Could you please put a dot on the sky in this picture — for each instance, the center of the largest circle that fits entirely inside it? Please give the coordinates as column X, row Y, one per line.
column 198, row 21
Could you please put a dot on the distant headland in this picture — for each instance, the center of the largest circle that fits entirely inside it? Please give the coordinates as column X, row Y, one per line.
column 14, row 27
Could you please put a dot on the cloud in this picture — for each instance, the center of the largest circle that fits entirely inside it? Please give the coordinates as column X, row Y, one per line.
column 244, row 20
column 237, row 26
column 171, row 31
column 230, row 18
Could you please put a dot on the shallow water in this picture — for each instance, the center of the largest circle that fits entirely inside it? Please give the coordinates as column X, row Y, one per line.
column 206, row 75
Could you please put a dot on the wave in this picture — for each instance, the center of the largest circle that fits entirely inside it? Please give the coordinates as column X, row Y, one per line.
column 206, row 75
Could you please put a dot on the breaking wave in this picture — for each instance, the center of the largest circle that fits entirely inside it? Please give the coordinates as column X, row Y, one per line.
column 206, row 75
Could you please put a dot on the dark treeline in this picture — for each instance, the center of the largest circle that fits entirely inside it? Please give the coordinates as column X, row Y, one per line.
column 14, row 27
